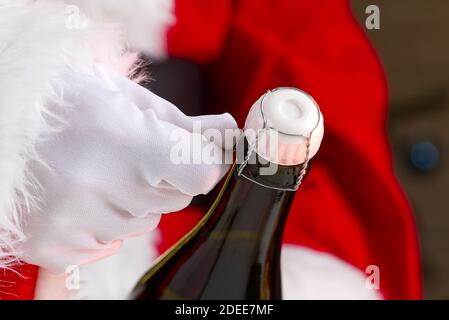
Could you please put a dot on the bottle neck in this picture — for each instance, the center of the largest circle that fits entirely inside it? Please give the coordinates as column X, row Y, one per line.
column 268, row 174
column 263, row 201
column 272, row 176
column 247, row 224
column 254, row 201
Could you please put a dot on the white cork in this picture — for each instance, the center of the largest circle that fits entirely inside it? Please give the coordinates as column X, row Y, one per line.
column 288, row 117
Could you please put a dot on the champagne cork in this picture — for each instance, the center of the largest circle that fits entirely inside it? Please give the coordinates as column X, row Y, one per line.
column 285, row 126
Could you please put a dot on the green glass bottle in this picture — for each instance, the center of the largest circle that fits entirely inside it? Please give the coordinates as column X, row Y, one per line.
column 234, row 251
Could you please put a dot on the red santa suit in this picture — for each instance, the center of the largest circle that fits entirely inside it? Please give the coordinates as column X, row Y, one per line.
column 350, row 215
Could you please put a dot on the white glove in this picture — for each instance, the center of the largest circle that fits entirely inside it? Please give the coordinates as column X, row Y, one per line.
column 109, row 174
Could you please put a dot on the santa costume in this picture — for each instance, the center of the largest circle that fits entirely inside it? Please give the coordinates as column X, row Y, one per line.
column 350, row 217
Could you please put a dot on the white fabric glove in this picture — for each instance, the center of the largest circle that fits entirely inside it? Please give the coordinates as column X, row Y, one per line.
column 109, row 174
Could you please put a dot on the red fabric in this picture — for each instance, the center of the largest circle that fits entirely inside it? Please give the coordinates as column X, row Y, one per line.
column 18, row 284
column 351, row 205
column 189, row 218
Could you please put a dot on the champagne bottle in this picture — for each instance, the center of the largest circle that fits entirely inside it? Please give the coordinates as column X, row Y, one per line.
column 234, row 251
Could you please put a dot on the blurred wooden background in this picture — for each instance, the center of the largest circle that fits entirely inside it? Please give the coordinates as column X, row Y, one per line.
column 413, row 43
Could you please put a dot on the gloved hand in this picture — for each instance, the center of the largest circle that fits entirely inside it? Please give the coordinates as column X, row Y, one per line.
column 108, row 172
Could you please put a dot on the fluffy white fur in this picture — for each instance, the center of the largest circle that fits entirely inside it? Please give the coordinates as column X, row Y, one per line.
column 36, row 47
column 144, row 22
column 31, row 56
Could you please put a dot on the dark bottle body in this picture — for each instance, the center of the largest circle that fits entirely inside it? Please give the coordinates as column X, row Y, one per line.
column 234, row 251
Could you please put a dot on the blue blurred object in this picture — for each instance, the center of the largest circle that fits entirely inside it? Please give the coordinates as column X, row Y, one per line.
column 424, row 155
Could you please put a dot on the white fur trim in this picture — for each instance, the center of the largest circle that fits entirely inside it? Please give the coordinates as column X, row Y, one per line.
column 36, row 47
column 145, row 22
column 309, row 274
